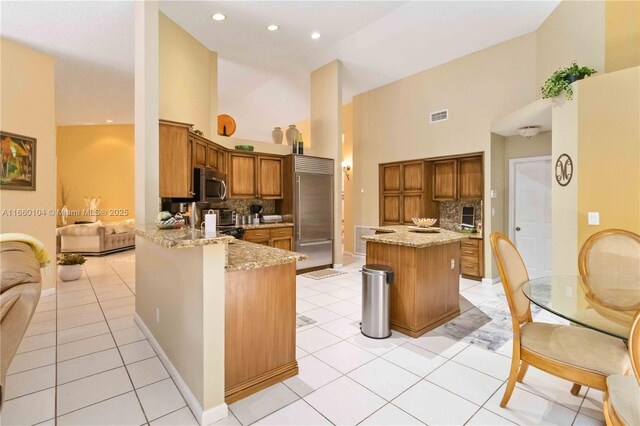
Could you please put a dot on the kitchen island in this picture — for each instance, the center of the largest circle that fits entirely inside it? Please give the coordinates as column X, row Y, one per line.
column 426, row 266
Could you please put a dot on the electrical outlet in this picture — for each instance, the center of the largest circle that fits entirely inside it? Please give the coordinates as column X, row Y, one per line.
column 47, row 270
column 453, row 263
column 157, row 314
column 593, row 218
column 493, row 211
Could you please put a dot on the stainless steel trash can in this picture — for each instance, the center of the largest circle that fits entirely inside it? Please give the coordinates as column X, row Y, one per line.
column 375, row 301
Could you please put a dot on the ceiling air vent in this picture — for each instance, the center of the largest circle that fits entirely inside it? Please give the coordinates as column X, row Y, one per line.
column 439, row 116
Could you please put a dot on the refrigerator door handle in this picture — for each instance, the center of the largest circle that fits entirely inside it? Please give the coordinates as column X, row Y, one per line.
column 298, row 208
column 315, row 243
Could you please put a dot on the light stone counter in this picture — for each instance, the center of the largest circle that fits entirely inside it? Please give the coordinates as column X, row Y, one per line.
column 268, row 225
column 179, row 238
column 243, row 255
column 402, row 236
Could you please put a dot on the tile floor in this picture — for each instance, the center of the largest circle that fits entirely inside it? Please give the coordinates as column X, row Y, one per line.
column 84, row 361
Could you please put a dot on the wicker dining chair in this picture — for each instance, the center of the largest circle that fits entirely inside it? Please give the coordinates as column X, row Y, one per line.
column 580, row 355
column 622, row 399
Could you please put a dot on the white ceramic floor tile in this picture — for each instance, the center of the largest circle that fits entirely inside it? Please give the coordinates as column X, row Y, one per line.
column 43, row 316
column 302, row 306
column 441, row 345
column 137, row 351
column 160, row 399
column 87, row 365
column 78, row 320
column 44, row 307
column 85, row 347
column 30, row 381
column 345, row 402
column 230, row 420
column 379, row 346
column 40, row 341
column 435, row 406
column 526, row 408
column 487, row 418
column 146, row 372
column 592, row 405
column 392, row 416
column 302, row 291
column 415, row 359
column 40, row 328
column 121, row 323
column 262, row 403
column 29, row 409
column 69, row 302
column 486, row 361
column 120, row 311
column 315, row 339
column 33, row 359
column 300, row 353
column 552, row 388
column 344, row 356
column 81, row 393
column 78, row 310
column 312, row 374
column 344, row 293
column 321, row 315
column 297, row 414
column 82, row 332
column 324, row 286
column 128, row 335
column 125, row 292
column 384, row 378
column 342, row 327
column 466, row 382
column 121, row 410
column 582, row 420
column 343, row 308
column 181, row 417
column 321, row 299
column 116, row 303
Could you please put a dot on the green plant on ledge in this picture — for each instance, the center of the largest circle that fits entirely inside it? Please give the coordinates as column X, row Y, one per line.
column 560, row 81
column 71, row 259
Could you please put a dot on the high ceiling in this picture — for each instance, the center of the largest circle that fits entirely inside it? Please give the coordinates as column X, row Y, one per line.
column 263, row 76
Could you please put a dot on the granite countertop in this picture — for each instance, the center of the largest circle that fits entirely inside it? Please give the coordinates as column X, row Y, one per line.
column 401, row 236
column 268, row 225
column 179, row 238
column 243, row 255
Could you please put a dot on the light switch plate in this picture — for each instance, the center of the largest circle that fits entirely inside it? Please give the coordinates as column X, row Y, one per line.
column 593, row 218
column 494, row 193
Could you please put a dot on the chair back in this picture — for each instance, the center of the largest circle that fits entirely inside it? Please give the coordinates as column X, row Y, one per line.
column 513, row 274
column 634, row 345
column 612, row 253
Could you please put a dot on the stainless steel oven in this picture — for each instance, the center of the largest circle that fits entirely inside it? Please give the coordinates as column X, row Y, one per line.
column 209, row 185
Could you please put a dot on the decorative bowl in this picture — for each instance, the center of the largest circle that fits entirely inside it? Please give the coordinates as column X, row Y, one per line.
column 176, row 224
column 424, row 222
column 244, row 147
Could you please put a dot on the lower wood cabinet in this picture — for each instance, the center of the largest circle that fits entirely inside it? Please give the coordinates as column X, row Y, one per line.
column 471, row 258
column 281, row 238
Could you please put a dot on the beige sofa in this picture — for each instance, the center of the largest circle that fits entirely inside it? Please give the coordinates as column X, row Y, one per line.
column 97, row 238
column 20, row 285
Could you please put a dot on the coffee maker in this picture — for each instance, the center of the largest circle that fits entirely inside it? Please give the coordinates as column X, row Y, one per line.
column 256, row 210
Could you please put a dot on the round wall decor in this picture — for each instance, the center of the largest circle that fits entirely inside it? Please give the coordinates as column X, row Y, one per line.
column 564, row 170
column 226, row 125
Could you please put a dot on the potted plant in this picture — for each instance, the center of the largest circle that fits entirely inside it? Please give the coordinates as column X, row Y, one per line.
column 560, row 81
column 70, row 266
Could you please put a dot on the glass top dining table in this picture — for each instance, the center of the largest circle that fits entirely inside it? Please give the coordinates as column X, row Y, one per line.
column 605, row 304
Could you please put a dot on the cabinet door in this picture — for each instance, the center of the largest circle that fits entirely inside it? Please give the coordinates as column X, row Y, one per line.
column 212, row 158
column 390, row 178
column 222, row 161
column 284, row 243
column 444, row 180
column 270, row 177
column 390, row 213
column 176, row 176
column 199, row 154
column 470, row 178
column 412, row 206
column 242, row 176
column 413, row 177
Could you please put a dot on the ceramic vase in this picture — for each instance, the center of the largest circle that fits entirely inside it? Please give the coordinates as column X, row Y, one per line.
column 69, row 272
column 277, row 134
column 64, row 214
column 293, row 134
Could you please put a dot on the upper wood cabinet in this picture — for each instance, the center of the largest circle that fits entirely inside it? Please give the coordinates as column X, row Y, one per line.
column 216, row 158
column 413, row 177
column 199, row 153
column 444, row 180
column 470, row 178
column 390, row 178
column 255, row 176
column 176, row 167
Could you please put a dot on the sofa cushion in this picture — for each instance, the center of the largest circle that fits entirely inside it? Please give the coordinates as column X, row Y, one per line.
column 122, row 228
column 78, row 230
column 18, row 265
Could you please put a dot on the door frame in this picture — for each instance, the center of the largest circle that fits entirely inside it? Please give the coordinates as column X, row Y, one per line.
column 512, row 189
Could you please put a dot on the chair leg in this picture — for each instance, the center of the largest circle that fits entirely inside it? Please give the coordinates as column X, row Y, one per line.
column 575, row 389
column 511, row 383
column 523, row 370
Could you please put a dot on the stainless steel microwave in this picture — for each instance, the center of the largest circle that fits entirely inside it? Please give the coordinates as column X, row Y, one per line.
column 209, row 185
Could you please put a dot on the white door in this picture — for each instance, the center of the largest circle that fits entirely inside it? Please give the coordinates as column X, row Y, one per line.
column 530, row 212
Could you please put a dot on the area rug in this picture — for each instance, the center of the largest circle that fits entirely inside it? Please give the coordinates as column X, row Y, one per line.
column 323, row 273
column 302, row 321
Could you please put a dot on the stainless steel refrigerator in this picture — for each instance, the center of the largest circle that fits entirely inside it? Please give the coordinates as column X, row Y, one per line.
column 313, row 209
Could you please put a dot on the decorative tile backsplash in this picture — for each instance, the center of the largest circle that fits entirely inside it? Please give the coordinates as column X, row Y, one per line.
column 242, row 206
column 451, row 213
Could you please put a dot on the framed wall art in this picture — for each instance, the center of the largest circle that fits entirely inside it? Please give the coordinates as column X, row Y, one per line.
column 18, row 162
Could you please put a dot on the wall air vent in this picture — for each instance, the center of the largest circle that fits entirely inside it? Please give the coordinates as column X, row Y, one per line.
column 360, row 245
column 439, row 116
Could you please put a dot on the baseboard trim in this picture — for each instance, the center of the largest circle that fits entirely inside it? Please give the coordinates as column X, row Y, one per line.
column 203, row 417
column 48, row 292
column 490, row 281
column 338, row 266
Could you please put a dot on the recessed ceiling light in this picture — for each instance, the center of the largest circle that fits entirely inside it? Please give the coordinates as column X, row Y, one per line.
column 218, row 17
column 273, row 27
column 109, row 121
column 315, row 35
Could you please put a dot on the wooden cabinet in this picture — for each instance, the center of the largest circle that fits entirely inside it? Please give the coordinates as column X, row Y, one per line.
column 176, row 168
column 281, row 238
column 255, row 176
column 216, row 158
column 444, row 180
column 199, row 153
column 458, row 179
column 471, row 258
column 470, row 178
column 390, row 178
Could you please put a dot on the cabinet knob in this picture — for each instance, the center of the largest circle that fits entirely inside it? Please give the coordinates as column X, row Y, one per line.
column 517, row 228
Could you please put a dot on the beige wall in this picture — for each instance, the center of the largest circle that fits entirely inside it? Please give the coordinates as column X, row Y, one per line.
column 609, row 152
column 347, row 157
column 573, row 31
column 97, row 161
column 305, row 128
column 326, row 127
column 28, row 108
column 188, row 78
column 622, row 35
column 499, row 184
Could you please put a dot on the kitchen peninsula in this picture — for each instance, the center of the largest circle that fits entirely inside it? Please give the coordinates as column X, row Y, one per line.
column 426, row 266
column 220, row 312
